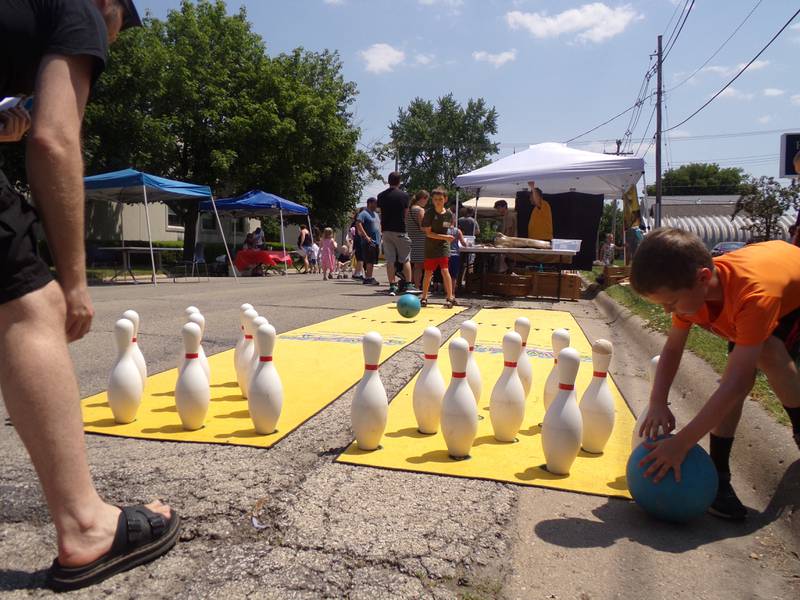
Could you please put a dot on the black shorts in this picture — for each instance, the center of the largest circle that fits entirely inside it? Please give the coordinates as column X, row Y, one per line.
column 22, row 271
column 358, row 248
column 370, row 253
column 788, row 331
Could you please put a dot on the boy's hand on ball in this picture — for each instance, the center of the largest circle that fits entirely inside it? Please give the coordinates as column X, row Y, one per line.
column 665, row 454
column 659, row 416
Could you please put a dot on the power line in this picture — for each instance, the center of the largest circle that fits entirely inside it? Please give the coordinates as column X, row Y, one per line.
column 717, row 51
column 743, row 69
column 675, row 39
column 614, row 118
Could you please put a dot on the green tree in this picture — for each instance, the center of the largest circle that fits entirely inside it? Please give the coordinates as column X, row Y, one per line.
column 611, row 213
column 434, row 144
column 700, row 179
column 765, row 200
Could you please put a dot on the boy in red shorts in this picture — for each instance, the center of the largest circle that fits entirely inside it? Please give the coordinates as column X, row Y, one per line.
column 436, row 224
column 750, row 297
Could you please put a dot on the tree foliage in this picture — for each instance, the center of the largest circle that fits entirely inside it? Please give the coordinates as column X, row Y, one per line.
column 196, row 97
column 765, row 200
column 700, row 179
column 434, row 143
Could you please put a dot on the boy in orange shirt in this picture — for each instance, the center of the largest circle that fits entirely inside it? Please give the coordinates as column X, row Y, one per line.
column 750, row 297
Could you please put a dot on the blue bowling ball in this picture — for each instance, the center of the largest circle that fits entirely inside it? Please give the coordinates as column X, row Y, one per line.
column 669, row 500
column 408, row 306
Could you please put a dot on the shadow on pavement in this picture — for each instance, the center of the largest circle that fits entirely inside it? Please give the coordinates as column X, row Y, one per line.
column 624, row 520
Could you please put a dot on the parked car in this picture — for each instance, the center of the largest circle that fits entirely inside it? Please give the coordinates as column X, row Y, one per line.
column 725, row 247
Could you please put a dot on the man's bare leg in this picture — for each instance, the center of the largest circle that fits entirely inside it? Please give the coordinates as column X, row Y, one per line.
column 781, row 372
column 390, row 272
column 41, row 394
column 407, row 271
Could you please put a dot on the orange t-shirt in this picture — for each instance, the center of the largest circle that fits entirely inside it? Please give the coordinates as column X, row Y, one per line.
column 760, row 284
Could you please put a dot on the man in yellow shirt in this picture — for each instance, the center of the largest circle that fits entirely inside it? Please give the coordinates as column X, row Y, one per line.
column 540, row 226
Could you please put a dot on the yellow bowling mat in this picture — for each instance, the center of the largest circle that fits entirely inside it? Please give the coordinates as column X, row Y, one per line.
column 316, row 364
column 404, row 448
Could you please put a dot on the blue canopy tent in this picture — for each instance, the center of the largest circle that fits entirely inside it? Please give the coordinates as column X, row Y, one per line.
column 256, row 202
column 129, row 186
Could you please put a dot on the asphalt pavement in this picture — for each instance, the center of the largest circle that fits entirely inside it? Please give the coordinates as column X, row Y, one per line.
column 329, row 530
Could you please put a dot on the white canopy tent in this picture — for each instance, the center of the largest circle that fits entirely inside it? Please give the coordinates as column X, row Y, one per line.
column 556, row 168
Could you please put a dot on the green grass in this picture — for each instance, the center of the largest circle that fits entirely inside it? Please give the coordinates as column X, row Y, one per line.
column 706, row 345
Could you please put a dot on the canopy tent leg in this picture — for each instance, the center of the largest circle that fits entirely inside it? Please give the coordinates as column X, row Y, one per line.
column 222, row 233
column 149, row 233
column 457, row 207
column 283, row 241
column 310, row 232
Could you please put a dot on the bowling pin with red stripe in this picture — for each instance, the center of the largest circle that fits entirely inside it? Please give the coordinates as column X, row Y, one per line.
column 507, row 403
column 597, row 403
column 523, row 327
column 562, row 429
column 459, row 412
column 138, row 357
column 125, row 382
column 559, row 341
column 469, row 331
column 265, row 390
column 192, row 392
column 370, row 407
column 429, row 388
column 240, row 342
column 245, row 358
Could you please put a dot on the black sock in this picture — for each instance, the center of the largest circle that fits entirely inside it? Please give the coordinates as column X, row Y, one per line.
column 721, row 453
column 794, row 417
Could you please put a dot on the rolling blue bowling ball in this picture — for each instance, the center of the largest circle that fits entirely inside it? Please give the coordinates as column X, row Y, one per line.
column 408, row 306
column 669, row 500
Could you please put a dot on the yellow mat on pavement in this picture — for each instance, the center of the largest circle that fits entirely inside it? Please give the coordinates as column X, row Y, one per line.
column 521, row 462
column 316, row 364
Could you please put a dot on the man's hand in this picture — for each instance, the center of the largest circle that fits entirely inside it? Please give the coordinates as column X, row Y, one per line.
column 447, row 237
column 665, row 455
column 658, row 417
column 79, row 312
column 14, row 123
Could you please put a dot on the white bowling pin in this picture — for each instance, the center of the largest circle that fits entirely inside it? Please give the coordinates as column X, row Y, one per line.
column 597, row 403
column 257, row 322
column 429, row 388
column 523, row 327
column 192, row 392
column 469, row 331
column 507, row 402
column 562, row 429
column 191, row 309
column 459, row 411
column 559, row 341
column 370, row 407
column 245, row 357
column 636, row 439
column 265, row 390
column 240, row 342
column 201, row 322
column 125, row 382
column 138, row 357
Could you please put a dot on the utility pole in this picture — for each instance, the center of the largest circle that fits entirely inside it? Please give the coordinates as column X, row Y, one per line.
column 658, row 137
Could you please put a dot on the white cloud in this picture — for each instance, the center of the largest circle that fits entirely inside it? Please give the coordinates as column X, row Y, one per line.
column 424, row 59
column 453, row 6
column 764, row 119
column 334, row 2
column 736, row 94
column 382, row 58
column 773, row 92
column 724, row 71
column 796, row 26
column 679, row 133
column 498, row 60
column 795, row 99
column 593, row 22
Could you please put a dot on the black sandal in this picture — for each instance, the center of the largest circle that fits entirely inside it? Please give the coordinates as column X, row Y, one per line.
column 142, row 535
column 423, row 302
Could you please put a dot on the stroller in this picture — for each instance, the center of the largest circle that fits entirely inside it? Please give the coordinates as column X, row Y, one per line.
column 344, row 263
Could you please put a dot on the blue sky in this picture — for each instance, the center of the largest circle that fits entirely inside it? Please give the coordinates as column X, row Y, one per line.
column 554, row 69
